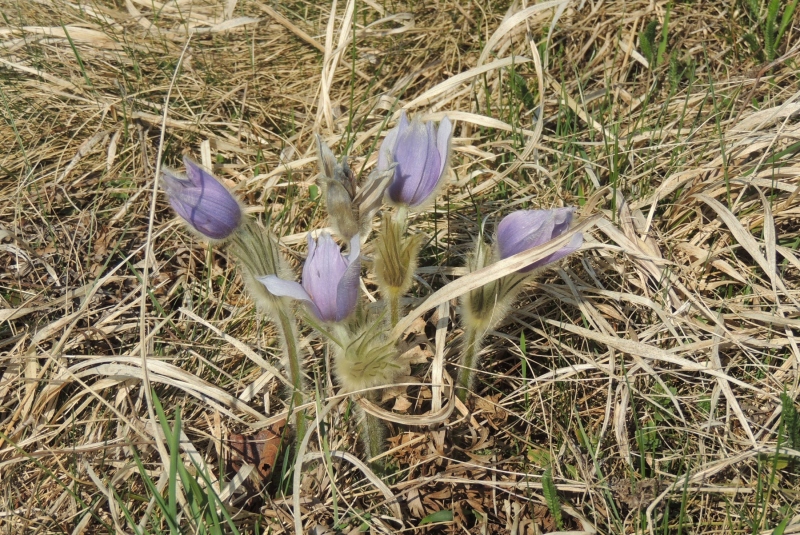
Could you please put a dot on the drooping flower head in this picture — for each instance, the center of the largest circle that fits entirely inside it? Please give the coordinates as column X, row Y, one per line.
column 527, row 229
column 205, row 204
column 420, row 151
column 330, row 279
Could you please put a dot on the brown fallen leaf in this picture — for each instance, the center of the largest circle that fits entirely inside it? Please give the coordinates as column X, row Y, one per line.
column 260, row 450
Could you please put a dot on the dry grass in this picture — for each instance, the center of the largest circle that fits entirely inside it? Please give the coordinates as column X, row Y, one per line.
column 646, row 372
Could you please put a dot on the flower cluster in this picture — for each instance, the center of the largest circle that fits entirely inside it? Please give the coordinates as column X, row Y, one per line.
column 412, row 166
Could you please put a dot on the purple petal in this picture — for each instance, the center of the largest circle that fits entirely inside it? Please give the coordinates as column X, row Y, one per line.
column 355, row 250
column 386, row 152
column 573, row 245
column 403, row 124
column 202, row 201
column 283, row 288
column 524, row 230
column 347, row 289
column 443, row 137
column 562, row 220
column 194, row 172
column 322, row 272
column 431, row 172
column 415, row 153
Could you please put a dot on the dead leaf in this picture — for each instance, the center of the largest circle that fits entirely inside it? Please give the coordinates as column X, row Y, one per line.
column 491, row 409
column 415, row 504
column 401, row 404
column 260, row 450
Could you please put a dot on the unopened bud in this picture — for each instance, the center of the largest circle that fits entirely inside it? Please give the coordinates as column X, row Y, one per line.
column 339, row 188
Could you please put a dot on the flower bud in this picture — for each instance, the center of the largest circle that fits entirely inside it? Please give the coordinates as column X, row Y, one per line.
column 421, row 153
column 526, row 229
column 330, row 280
column 483, row 307
column 205, row 204
column 339, row 187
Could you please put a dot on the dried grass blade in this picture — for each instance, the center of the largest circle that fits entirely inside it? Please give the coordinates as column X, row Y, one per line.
column 433, row 417
column 454, row 81
column 241, row 346
column 651, row 352
column 746, row 240
column 511, row 22
column 289, row 25
column 369, row 474
column 437, row 367
column 726, row 388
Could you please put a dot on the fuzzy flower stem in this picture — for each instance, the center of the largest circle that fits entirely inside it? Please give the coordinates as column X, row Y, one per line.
column 469, row 361
column 394, row 308
column 372, row 434
column 288, row 333
column 400, row 217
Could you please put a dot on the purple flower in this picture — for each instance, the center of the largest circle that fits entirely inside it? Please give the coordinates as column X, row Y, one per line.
column 527, row 229
column 421, row 153
column 205, row 204
column 330, row 279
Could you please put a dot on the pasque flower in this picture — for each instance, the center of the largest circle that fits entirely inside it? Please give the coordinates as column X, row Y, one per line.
column 420, row 151
column 206, row 205
column 484, row 307
column 330, row 279
column 527, row 229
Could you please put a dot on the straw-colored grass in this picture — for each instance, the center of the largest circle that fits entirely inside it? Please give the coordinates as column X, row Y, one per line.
column 642, row 377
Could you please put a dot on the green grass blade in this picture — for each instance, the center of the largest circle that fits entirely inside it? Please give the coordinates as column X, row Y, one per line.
column 786, row 19
column 662, row 47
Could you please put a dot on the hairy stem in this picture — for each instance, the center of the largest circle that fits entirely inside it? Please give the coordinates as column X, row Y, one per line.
column 469, row 360
column 394, row 307
column 372, row 433
column 289, row 335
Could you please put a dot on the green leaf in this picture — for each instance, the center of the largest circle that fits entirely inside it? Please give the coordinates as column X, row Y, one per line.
column 551, row 497
column 754, row 46
column 438, row 516
column 647, row 41
column 753, row 7
column 782, row 526
column 770, row 29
